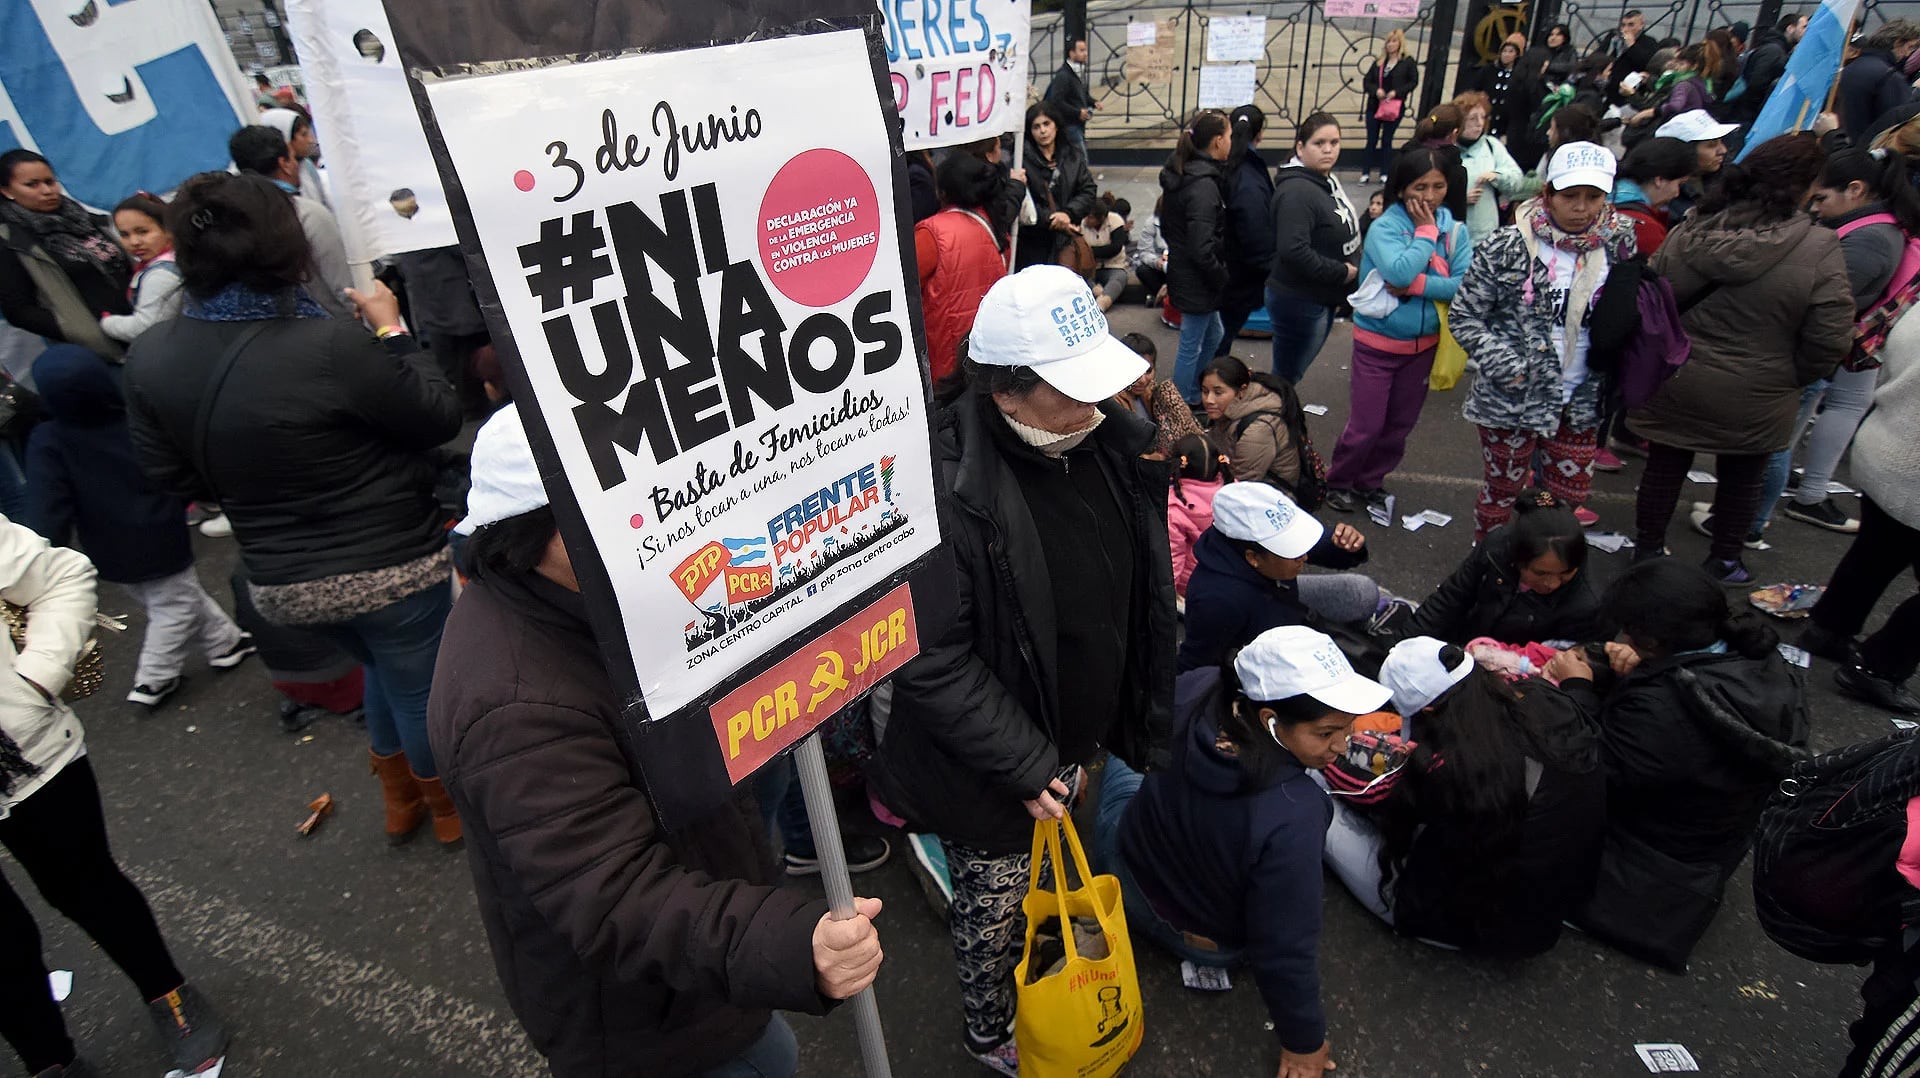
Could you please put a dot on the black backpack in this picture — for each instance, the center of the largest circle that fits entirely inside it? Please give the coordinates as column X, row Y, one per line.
column 1310, row 492
column 1825, row 885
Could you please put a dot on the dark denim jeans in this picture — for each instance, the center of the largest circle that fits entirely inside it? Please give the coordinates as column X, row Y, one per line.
column 397, row 645
column 1300, row 328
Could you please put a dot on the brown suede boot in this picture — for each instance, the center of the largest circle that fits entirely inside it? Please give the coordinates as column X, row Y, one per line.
column 406, row 811
column 446, row 822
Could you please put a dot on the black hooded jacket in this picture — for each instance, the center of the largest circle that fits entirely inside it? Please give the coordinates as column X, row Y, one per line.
column 1315, row 238
column 1507, row 898
column 1006, row 689
column 1193, row 221
column 1483, row 598
column 1693, row 745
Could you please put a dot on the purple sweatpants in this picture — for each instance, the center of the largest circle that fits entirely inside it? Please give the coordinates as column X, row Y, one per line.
column 1388, row 390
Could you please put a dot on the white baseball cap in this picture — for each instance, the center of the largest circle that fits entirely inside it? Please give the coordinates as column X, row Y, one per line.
column 506, row 481
column 1258, row 513
column 1294, row 660
column 1045, row 317
column 1695, row 125
column 1581, row 164
column 1416, row 676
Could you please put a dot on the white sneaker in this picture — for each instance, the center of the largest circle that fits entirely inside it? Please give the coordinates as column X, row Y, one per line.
column 218, row 527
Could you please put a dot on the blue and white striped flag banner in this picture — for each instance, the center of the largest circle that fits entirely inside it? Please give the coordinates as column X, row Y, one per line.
column 1801, row 93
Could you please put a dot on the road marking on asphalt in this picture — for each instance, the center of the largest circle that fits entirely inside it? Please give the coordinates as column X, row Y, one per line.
column 1464, row 481
column 462, row 1035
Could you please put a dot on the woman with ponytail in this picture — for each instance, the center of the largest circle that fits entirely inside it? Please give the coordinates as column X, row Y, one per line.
column 1489, row 836
column 1699, row 717
column 1865, row 197
column 1218, row 854
column 1194, row 186
column 1763, row 296
column 1250, row 236
column 1439, row 130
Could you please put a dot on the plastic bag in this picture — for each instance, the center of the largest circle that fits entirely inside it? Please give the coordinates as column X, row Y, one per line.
column 1450, row 362
column 1081, row 1017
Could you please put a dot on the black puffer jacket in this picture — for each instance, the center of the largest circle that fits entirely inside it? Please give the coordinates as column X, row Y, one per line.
column 1693, row 744
column 1508, row 899
column 1249, row 233
column 1483, row 598
column 316, row 446
column 1193, row 220
column 984, row 696
column 623, row 949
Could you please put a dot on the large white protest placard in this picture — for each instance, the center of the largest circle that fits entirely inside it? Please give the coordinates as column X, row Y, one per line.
column 386, row 190
column 1236, row 39
column 699, row 258
column 959, row 69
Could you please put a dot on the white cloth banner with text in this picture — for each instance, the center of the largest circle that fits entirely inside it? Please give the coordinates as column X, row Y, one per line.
column 959, row 67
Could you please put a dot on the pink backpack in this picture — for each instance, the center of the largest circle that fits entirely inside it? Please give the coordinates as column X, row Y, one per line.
column 1870, row 332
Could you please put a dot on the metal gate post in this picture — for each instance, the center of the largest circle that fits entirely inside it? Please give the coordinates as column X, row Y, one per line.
column 1440, row 33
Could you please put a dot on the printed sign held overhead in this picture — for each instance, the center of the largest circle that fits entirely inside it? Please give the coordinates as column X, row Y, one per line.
column 707, row 291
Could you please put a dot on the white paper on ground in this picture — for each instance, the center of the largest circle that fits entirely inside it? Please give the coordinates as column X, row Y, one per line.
column 1314, row 409
column 1699, row 476
column 61, row 981
column 1904, row 724
column 1414, row 523
column 1382, row 514
column 1797, row 656
column 1436, row 518
column 1666, row 1058
column 1608, row 542
column 1205, row 978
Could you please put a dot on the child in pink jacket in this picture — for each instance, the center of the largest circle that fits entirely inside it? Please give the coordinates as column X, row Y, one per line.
column 1200, row 472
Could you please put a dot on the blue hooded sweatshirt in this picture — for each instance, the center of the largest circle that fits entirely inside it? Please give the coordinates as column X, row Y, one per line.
column 1238, row 865
column 82, row 476
column 1404, row 254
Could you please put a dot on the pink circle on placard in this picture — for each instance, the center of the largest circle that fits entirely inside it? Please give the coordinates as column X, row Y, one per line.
column 819, row 228
column 523, row 180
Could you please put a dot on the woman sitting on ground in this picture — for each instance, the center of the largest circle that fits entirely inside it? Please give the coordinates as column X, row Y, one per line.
column 1252, row 416
column 1489, row 838
column 1246, row 574
column 1525, row 583
column 1156, row 400
column 1218, row 855
column 1699, row 720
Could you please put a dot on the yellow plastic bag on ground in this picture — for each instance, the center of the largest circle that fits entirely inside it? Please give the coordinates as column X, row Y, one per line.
column 1450, row 362
column 1078, row 1009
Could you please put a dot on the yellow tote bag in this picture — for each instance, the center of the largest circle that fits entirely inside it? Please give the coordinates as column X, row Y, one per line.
column 1450, row 362
column 1085, row 1019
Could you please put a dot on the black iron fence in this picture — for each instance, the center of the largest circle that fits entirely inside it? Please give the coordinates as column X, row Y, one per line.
column 1313, row 63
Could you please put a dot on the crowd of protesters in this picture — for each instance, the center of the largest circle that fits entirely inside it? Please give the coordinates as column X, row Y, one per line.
column 1131, row 607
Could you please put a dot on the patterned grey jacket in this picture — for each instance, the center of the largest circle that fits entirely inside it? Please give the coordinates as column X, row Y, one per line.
column 1510, row 339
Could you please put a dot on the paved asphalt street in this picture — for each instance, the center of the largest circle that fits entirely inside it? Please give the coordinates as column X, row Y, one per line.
column 335, row 955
